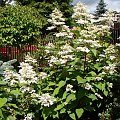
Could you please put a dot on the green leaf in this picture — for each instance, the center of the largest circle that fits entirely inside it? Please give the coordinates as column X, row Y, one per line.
column 56, row 91
column 89, row 78
column 1, row 115
column 92, row 73
column 63, row 110
column 97, row 66
column 72, row 115
column 2, row 82
column 75, row 61
column 13, row 105
column 106, row 44
column 99, row 86
column 61, row 84
column 59, row 107
column 105, row 92
column 11, row 118
column 70, row 97
column 67, row 78
column 79, row 112
column 51, row 84
column 52, row 72
column 2, row 101
column 55, row 115
column 15, row 92
column 94, row 52
column 45, row 113
column 70, row 69
column 64, row 95
column 92, row 96
column 80, row 80
column 103, row 86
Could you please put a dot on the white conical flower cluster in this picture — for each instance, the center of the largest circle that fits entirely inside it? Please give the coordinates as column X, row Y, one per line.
column 58, row 22
column 81, row 15
column 56, row 19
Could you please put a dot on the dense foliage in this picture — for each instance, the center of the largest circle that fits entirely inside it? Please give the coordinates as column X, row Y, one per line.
column 78, row 79
column 45, row 7
column 19, row 25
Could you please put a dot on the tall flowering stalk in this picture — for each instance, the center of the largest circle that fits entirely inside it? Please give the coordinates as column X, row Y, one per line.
column 80, row 14
column 58, row 22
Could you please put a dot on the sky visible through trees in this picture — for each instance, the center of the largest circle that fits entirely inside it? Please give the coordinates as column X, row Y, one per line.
column 111, row 4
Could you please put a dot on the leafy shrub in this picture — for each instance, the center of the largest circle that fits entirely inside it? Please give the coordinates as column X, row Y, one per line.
column 77, row 81
column 19, row 25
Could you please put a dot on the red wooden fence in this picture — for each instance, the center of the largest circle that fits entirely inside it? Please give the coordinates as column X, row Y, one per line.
column 115, row 33
column 11, row 52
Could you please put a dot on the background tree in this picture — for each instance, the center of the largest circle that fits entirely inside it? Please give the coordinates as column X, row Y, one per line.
column 19, row 25
column 101, row 8
column 45, row 7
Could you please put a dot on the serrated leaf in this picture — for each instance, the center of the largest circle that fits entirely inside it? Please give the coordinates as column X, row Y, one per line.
column 79, row 112
column 70, row 69
column 52, row 72
column 2, row 101
column 99, row 86
column 103, row 87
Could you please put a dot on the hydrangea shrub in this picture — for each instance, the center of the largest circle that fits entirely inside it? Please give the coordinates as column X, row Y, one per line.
column 78, row 78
